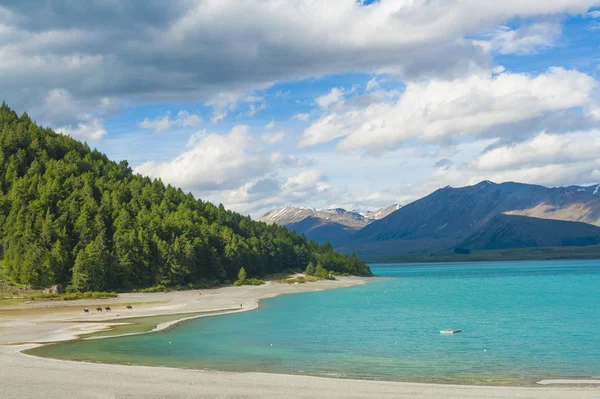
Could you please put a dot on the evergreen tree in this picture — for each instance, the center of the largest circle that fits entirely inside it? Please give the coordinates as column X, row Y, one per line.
column 310, row 269
column 241, row 276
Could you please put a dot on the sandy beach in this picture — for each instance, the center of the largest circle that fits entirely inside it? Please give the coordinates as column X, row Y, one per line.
column 26, row 325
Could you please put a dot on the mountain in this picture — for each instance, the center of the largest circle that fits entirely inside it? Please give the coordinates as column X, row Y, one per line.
column 71, row 216
column 380, row 213
column 320, row 230
column 511, row 231
column 289, row 214
column 334, row 225
column 449, row 215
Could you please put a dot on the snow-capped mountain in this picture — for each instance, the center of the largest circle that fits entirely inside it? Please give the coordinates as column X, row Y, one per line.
column 355, row 219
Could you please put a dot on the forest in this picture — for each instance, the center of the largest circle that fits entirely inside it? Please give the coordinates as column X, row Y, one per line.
column 71, row 216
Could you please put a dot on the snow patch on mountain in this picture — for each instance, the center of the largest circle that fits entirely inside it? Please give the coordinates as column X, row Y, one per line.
column 353, row 218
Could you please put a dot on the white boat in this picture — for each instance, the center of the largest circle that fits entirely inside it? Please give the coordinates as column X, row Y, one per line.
column 449, row 331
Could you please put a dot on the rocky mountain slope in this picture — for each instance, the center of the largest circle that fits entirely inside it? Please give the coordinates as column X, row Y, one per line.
column 511, row 231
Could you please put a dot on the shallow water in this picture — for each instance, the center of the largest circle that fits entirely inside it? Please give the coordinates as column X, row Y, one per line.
column 520, row 321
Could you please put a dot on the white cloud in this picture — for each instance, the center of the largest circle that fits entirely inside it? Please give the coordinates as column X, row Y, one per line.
column 254, row 109
column 302, row 116
column 372, row 84
column 526, row 39
column 217, row 162
column 222, row 103
column 593, row 14
column 273, row 138
column 594, row 111
column 157, row 124
column 59, row 108
column 541, row 151
column 305, row 180
column 259, row 195
column 335, row 96
column 270, row 125
column 89, row 129
column 441, row 111
column 183, row 119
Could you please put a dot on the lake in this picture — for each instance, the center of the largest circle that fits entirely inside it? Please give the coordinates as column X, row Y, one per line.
column 521, row 322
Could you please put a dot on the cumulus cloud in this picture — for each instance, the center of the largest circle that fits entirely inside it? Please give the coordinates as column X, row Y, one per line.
column 334, row 97
column 217, row 162
column 273, row 138
column 302, row 116
column 183, row 119
column 262, row 194
column 439, row 111
column 593, row 14
column 372, row 84
column 89, row 129
column 197, row 50
column 547, row 159
column 527, row 39
column 443, row 163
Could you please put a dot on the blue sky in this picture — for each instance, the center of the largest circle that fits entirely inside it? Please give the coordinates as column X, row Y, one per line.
column 317, row 103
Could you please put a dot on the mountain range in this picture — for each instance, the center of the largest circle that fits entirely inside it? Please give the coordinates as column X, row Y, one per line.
column 451, row 217
column 335, row 225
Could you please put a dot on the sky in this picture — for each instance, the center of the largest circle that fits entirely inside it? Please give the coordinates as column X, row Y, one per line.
column 259, row 104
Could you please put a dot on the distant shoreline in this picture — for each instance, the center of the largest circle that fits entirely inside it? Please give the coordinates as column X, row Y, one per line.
column 498, row 255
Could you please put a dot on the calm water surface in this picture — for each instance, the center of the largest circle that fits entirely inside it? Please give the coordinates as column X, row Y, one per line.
column 520, row 322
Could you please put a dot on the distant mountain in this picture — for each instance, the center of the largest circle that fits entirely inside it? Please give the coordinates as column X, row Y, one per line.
column 449, row 215
column 381, row 213
column 335, row 225
column 321, row 230
column 511, row 231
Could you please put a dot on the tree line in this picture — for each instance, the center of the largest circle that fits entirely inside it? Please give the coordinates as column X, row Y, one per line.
column 70, row 216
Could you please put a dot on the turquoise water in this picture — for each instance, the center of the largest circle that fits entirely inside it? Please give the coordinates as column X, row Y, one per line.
column 520, row 322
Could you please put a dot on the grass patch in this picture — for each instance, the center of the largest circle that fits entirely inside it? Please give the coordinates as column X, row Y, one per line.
column 297, row 280
column 156, row 288
column 300, row 279
column 282, row 275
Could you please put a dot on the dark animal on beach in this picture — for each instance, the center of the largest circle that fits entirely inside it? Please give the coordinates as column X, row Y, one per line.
column 107, row 308
column 129, row 307
column 98, row 309
column 86, row 310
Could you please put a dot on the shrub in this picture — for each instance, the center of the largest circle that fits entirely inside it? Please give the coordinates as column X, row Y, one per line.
column 462, row 251
column 241, row 276
column 310, row 269
column 248, row 281
column 156, row 288
column 299, row 280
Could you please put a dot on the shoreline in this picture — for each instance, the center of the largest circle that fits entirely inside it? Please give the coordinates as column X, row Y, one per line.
column 16, row 382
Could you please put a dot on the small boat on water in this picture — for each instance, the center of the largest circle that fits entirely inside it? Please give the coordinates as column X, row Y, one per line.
column 449, row 331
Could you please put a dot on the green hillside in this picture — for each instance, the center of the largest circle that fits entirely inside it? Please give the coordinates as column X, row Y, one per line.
column 69, row 215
